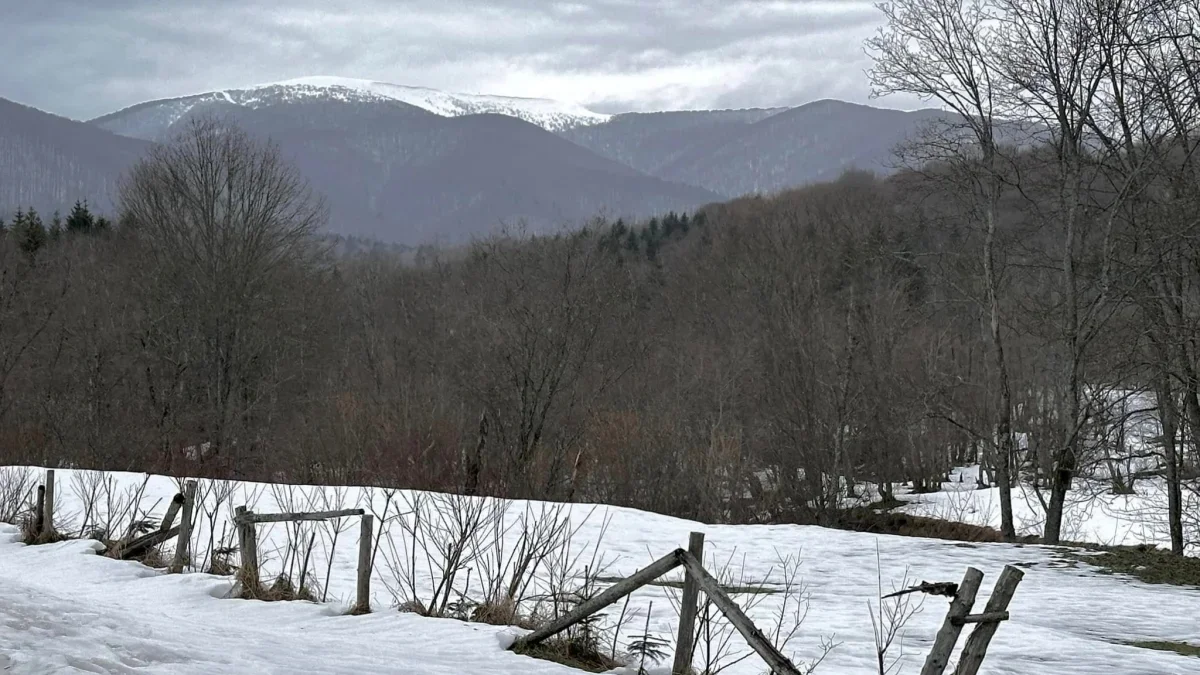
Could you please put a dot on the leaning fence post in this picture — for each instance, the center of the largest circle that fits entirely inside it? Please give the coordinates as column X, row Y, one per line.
column 947, row 637
column 687, row 610
column 185, row 528
column 366, row 532
column 997, row 605
column 48, row 512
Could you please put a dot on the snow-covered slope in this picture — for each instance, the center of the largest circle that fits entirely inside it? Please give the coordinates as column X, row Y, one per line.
column 62, row 608
column 151, row 119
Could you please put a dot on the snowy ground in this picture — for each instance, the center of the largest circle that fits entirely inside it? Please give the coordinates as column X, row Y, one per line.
column 63, row 609
column 1093, row 514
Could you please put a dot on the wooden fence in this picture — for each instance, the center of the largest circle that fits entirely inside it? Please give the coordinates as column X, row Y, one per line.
column 247, row 521
column 130, row 544
column 698, row 579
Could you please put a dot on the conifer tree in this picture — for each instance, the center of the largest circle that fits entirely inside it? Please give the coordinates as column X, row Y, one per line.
column 631, row 241
column 29, row 232
column 55, row 231
column 81, row 220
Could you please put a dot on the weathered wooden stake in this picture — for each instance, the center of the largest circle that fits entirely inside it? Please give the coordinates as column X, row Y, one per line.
column 48, row 513
column 366, row 532
column 248, row 543
column 780, row 665
column 39, row 511
column 997, row 606
column 687, row 610
column 185, row 528
column 132, row 548
column 614, row 593
column 168, row 520
column 960, row 606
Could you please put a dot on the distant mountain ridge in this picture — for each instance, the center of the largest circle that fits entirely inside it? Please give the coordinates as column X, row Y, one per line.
column 402, row 174
column 411, row 165
column 734, row 153
column 149, row 120
column 47, row 162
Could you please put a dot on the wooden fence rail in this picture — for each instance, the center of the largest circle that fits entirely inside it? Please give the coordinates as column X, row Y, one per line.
column 246, row 522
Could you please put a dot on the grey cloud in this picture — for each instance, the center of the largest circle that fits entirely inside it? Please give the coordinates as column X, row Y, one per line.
column 84, row 58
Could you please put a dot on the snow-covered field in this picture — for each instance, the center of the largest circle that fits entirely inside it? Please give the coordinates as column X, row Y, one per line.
column 64, row 609
column 1093, row 514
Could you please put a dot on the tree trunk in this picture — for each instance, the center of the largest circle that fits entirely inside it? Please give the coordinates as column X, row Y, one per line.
column 1004, row 441
column 1168, row 414
column 1066, row 457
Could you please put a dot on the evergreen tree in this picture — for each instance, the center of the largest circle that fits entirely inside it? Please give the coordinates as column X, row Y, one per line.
column 670, row 225
column 102, row 225
column 55, row 232
column 81, row 220
column 29, row 232
column 631, row 241
column 3, row 228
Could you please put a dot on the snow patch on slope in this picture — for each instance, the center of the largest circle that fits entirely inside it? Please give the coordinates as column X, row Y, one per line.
column 149, row 120
column 547, row 113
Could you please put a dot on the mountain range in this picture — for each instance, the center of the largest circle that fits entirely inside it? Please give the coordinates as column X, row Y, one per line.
column 414, row 165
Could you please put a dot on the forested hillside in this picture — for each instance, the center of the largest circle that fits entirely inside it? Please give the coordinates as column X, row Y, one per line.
column 755, row 361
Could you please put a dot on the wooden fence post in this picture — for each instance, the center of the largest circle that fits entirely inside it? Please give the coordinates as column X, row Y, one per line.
column 366, row 532
column 48, row 513
column 185, row 528
column 168, row 520
column 39, row 512
column 248, row 543
column 947, row 637
column 687, row 610
column 780, row 665
column 981, row 636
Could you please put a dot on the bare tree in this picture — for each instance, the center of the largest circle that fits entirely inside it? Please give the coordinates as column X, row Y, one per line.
column 942, row 50
column 223, row 224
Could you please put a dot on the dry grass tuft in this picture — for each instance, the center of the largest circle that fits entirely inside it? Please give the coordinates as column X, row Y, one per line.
column 574, row 653
column 31, row 536
column 502, row 613
column 283, row 589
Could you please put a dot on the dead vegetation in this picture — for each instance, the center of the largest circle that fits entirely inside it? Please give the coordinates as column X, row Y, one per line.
column 1145, row 563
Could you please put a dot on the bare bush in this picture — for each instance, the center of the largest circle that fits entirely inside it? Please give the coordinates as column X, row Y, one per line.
column 17, row 485
column 443, row 537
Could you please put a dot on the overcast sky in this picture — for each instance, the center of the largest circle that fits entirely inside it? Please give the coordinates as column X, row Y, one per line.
column 84, row 58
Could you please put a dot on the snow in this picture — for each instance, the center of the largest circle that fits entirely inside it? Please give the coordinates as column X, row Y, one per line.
column 154, row 119
column 1092, row 513
column 62, row 608
column 553, row 115
column 63, row 611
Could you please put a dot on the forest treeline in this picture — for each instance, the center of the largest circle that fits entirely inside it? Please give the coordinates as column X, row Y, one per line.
column 1011, row 296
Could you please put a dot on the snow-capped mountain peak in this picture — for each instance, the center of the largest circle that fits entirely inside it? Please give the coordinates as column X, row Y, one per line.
column 149, row 119
column 546, row 113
